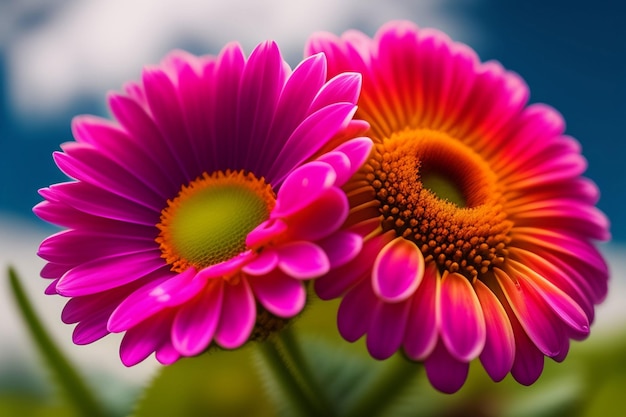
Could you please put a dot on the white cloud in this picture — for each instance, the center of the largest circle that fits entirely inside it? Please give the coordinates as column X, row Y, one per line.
column 86, row 48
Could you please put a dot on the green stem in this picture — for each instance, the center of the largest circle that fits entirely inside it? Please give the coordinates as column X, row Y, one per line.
column 293, row 353
column 376, row 397
column 288, row 381
column 77, row 392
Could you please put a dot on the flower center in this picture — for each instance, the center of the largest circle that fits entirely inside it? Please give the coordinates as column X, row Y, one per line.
column 209, row 220
column 439, row 193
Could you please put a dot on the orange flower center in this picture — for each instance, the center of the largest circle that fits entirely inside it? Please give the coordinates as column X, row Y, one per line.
column 210, row 218
column 440, row 194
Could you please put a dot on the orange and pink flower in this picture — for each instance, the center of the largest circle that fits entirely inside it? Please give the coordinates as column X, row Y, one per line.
column 479, row 228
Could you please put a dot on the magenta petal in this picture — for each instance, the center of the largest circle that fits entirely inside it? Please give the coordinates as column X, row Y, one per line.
column 529, row 360
column 398, row 270
column 89, row 331
column 341, row 247
column 227, row 267
column 387, row 329
column 196, row 321
column 313, row 133
column 303, row 186
column 280, row 294
column 444, row 371
column 340, row 163
column 263, row 264
column 340, row 279
column 265, row 232
column 463, row 328
column 106, row 273
column 321, row 218
column 167, row 354
column 302, row 260
column 534, row 315
column 357, row 150
column 140, row 341
column 168, row 291
column 499, row 351
column 422, row 330
column 564, row 306
column 356, row 312
column 343, row 87
column 237, row 317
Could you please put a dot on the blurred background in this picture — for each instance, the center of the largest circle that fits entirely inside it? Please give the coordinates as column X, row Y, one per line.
column 59, row 58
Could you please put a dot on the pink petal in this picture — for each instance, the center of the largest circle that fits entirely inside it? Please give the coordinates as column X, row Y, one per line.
column 356, row 312
column 343, row 87
column 85, row 163
column 167, row 291
column 166, row 354
column 537, row 320
column 565, row 308
column 340, row 164
column 387, row 328
column 338, row 280
column 313, row 133
column 499, row 352
column 398, row 270
column 265, row 233
column 463, row 329
column 195, row 323
column 237, row 317
column 261, row 83
column 106, row 273
column 321, row 218
column 280, row 294
column 295, row 99
column 90, row 330
column 303, row 186
column 357, row 151
column 529, row 361
column 422, row 329
column 341, row 247
column 228, row 267
column 263, row 264
column 302, row 260
column 140, row 341
column 444, row 371
column 77, row 246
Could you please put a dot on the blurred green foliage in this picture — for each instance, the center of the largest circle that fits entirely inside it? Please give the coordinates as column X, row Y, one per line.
column 589, row 383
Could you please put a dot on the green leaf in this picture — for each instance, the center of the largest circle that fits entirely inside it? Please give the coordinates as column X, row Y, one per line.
column 77, row 393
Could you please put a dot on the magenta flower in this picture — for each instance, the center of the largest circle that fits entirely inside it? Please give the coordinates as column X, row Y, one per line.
column 195, row 218
column 478, row 226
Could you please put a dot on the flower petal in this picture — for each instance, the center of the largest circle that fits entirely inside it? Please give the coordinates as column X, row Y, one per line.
column 499, row 352
column 106, row 273
column 140, row 341
column 196, row 321
column 167, row 291
column 463, row 329
column 445, row 372
column 280, row 294
column 398, row 270
column 237, row 317
column 303, row 186
column 302, row 260
column 263, row 264
column 341, row 247
column 387, row 328
column 356, row 312
column 422, row 329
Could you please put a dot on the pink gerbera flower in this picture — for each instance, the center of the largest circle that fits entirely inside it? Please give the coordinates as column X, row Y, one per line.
column 196, row 216
column 479, row 227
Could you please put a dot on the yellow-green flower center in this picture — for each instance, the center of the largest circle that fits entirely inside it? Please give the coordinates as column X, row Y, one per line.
column 439, row 193
column 210, row 218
